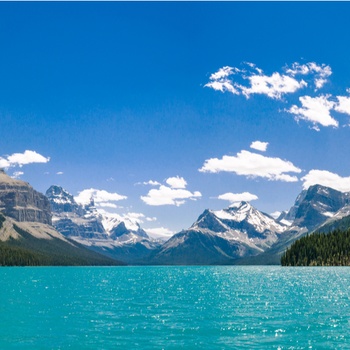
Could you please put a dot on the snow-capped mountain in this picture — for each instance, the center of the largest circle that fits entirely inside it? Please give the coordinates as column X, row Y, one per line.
column 237, row 234
column 242, row 222
column 316, row 205
column 109, row 233
column 222, row 236
column 26, row 233
column 314, row 208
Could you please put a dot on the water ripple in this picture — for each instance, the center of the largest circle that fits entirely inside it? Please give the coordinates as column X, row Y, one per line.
column 175, row 307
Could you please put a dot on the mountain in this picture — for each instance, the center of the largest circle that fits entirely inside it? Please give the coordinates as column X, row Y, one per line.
column 21, row 202
column 240, row 234
column 70, row 218
column 318, row 208
column 26, row 234
column 220, row 237
column 107, row 233
column 319, row 204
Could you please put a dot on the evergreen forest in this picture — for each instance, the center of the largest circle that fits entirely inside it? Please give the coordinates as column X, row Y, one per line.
column 319, row 249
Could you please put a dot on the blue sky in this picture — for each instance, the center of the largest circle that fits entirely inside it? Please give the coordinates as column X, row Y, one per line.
column 110, row 96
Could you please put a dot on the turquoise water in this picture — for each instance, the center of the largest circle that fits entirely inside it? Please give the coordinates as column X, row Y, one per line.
column 175, row 307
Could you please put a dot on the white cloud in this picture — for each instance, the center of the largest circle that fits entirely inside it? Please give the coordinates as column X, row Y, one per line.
column 17, row 174
column 252, row 165
column 315, row 110
column 165, row 195
column 343, row 105
column 273, row 86
column 4, row 163
column 219, row 81
column 326, row 178
column 275, row 214
column 173, row 194
column 107, row 205
column 238, row 197
column 222, row 73
column 222, row 85
column 150, row 182
column 134, row 217
column 159, row 232
column 260, row 146
column 256, row 82
column 176, row 182
column 100, row 197
column 20, row 159
column 151, row 219
column 59, row 173
column 320, row 72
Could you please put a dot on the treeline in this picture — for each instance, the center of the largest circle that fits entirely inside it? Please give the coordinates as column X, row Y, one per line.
column 30, row 251
column 16, row 256
column 319, row 249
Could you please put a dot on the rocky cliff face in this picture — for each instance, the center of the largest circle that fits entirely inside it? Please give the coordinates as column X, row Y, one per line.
column 74, row 220
column 107, row 233
column 21, row 202
column 221, row 237
column 318, row 204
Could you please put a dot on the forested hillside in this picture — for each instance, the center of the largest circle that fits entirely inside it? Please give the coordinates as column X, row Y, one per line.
column 319, row 249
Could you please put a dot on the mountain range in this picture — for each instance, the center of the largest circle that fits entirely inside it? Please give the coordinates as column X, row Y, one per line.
column 58, row 230
column 235, row 235
column 27, row 236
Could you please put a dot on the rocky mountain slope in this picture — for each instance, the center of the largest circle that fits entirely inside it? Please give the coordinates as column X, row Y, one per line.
column 316, row 209
column 21, row 202
column 26, row 236
column 240, row 234
column 107, row 233
column 219, row 237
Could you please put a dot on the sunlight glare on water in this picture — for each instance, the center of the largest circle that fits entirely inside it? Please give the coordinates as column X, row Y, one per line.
column 175, row 307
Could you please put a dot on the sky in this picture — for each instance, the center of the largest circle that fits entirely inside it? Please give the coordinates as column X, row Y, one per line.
column 160, row 110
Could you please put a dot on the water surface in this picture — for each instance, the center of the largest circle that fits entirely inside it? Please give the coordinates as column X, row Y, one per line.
column 175, row 307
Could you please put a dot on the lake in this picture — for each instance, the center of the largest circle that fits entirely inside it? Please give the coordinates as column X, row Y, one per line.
column 221, row 307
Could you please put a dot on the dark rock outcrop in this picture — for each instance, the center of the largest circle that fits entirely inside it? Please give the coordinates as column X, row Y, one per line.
column 21, row 202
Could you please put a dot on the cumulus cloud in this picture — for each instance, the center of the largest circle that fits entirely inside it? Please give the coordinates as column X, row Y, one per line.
column 20, row 159
column 150, row 183
column 343, row 105
column 17, row 174
column 252, row 80
column 320, row 72
column 275, row 214
column 326, row 178
column 101, row 198
column 173, row 194
column 260, row 146
column 273, row 86
column 253, row 165
column 176, row 182
column 107, row 205
column 238, row 197
column 222, row 73
column 315, row 110
column 165, row 195
column 159, row 232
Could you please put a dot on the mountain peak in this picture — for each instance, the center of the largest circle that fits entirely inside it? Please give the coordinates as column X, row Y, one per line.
column 6, row 180
column 61, row 200
column 56, row 191
column 238, row 205
column 21, row 202
column 317, row 204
